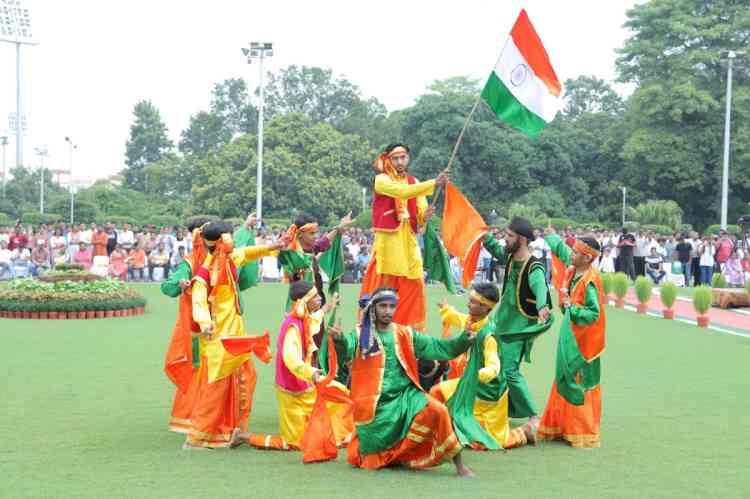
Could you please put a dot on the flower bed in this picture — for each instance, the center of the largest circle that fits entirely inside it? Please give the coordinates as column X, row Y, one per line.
column 69, row 275
column 35, row 299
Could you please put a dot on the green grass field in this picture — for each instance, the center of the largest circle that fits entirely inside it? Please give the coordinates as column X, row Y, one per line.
column 85, row 406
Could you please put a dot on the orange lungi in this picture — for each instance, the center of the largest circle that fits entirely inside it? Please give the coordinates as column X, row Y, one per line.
column 576, row 424
column 221, row 406
column 182, row 406
column 412, row 306
column 429, row 442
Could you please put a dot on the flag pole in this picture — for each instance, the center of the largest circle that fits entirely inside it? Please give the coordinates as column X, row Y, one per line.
column 456, row 146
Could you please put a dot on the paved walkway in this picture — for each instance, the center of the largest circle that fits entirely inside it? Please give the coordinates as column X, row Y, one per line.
column 683, row 309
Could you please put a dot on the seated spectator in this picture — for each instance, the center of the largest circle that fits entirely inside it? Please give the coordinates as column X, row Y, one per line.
column 746, row 266
column 178, row 256
column 22, row 262
column 655, row 266
column 136, row 263
column 158, row 258
column 18, row 239
column 733, row 272
column 83, row 256
column 39, row 259
column 60, row 255
column 6, row 261
column 118, row 266
column 57, row 243
column 126, row 238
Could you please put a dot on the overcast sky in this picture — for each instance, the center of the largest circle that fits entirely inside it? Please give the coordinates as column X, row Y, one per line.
column 96, row 59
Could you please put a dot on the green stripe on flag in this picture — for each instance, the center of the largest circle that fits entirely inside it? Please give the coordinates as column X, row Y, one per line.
column 509, row 109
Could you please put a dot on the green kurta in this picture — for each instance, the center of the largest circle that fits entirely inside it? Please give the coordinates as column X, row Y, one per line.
column 515, row 331
column 247, row 276
column 570, row 361
column 400, row 400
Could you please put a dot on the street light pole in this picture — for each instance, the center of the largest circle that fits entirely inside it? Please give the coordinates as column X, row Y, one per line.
column 727, row 122
column 624, row 195
column 259, row 51
column 42, row 152
column 71, row 146
column 4, row 142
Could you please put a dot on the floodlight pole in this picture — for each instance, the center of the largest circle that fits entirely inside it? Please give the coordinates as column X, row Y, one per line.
column 42, row 152
column 727, row 131
column 4, row 143
column 624, row 195
column 19, row 119
column 71, row 146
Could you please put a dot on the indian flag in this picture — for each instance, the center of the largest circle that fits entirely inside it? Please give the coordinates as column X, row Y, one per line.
column 523, row 89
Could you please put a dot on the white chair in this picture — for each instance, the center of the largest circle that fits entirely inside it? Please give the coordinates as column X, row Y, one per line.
column 158, row 274
column 269, row 269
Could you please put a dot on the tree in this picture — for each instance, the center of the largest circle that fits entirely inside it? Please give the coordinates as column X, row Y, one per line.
column 148, row 143
column 589, row 94
column 204, row 134
column 675, row 116
column 230, row 104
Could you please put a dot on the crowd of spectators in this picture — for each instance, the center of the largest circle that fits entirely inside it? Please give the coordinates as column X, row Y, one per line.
column 149, row 253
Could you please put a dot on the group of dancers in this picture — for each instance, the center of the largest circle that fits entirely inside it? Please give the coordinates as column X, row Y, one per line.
column 387, row 391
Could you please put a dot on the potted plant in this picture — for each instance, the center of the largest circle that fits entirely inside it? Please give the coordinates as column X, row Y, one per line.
column 607, row 285
column 43, row 310
column 99, row 311
column 620, row 285
column 643, row 288
column 109, row 309
column 54, row 309
column 718, row 281
column 34, row 310
column 62, row 310
column 24, row 310
column 90, row 313
column 81, row 310
column 702, row 298
column 668, row 294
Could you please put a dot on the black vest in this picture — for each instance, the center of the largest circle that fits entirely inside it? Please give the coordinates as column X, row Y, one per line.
column 525, row 299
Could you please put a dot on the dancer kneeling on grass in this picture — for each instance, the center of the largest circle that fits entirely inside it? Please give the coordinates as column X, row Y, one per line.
column 295, row 375
column 478, row 400
column 397, row 423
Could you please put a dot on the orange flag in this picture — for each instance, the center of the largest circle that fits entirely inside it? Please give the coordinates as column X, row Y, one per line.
column 258, row 345
column 463, row 231
column 319, row 443
column 558, row 276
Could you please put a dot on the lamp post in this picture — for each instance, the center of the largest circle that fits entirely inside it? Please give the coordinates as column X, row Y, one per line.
column 71, row 146
column 42, row 153
column 624, row 195
column 4, row 143
column 731, row 57
column 259, row 51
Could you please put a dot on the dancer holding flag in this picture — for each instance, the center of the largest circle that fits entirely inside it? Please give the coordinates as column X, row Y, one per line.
column 397, row 422
column 399, row 208
column 574, row 408
column 226, row 382
column 296, row 376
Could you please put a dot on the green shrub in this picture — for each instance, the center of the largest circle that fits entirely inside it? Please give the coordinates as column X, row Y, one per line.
column 718, row 281
column 620, row 284
column 661, row 230
column 607, row 283
column 36, row 218
column 562, row 223
column 702, row 298
column 668, row 294
column 68, row 267
column 363, row 220
column 6, row 220
column 731, row 228
column 643, row 288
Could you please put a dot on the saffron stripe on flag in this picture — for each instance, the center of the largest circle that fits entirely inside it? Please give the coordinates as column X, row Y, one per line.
column 532, row 49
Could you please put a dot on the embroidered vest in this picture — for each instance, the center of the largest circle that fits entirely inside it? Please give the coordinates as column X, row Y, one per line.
column 284, row 377
column 590, row 337
column 384, row 216
column 525, row 299
column 367, row 374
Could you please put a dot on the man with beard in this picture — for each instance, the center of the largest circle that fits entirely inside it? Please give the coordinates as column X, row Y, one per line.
column 397, row 423
column 399, row 207
column 523, row 312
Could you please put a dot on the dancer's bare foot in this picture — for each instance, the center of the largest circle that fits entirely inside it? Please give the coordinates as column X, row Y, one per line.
column 187, row 446
column 238, row 438
column 461, row 468
column 530, row 431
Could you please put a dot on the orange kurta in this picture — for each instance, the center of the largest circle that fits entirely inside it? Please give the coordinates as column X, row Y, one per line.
column 99, row 243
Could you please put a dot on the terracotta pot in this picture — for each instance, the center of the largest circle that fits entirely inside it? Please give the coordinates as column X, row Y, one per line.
column 3, row 314
column 90, row 314
column 34, row 315
column 703, row 321
column 62, row 315
column 141, row 310
column 100, row 314
column 118, row 313
column 17, row 315
column 642, row 308
column 109, row 313
column 668, row 313
column 44, row 315
column 81, row 314
column 620, row 302
column 54, row 315
column 24, row 315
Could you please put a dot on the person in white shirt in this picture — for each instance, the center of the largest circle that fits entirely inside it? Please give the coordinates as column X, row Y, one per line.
column 126, row 238
column 6, row 260
column 640, row 252
column 606, row 263
column 706, row 253
column 354, row 248
column 655, row 266
column 86, row 234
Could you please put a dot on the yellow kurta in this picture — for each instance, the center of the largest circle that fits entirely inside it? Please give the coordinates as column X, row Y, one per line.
column 223, row 315
column 397, row 252
column 295, row 408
